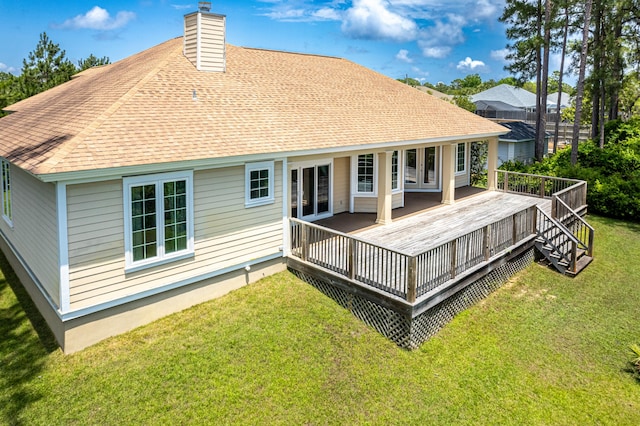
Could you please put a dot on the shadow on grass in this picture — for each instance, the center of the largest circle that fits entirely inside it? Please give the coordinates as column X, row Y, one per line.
column 632, row 226
column 24, row 346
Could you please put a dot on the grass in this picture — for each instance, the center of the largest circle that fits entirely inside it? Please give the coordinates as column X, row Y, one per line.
column 544, row 349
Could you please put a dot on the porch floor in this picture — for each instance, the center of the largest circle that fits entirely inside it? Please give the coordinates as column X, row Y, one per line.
column 435, row 224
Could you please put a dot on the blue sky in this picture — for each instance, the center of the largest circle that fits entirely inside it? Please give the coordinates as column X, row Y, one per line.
column 432, row 40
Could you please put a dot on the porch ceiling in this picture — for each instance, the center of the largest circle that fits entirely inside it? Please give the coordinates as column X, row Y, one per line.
column 418, row 232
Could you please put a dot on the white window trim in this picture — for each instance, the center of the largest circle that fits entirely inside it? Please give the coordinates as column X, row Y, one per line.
column 248, row 168
column 354, row 174
column 6, row 218
column 161, row 258
column 464, row 171
column 400, row 187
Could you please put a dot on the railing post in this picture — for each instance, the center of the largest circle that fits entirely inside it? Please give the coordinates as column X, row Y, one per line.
column 304, row 237
column 554, row 203
column 534, row 223
column 454, row 255
column 514, row 230
column 506, row 181
column 352, row 259
column 542, row 184
column 412, row 278
column 590, row 246
column 485, row 241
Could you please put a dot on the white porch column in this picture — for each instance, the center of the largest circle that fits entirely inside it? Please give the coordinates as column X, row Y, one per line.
column 448, row 174
column 385, row 200
column 492, row 163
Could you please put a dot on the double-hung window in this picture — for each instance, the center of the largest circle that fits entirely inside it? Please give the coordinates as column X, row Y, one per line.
column 6, row 192
column 394, row 171
column 461, row 158
column 365, row 173
column 158, row 218
column 259, row 188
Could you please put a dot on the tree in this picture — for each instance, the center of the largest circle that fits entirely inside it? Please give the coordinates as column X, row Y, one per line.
column 580, row 84
column 9, row 90
column 92, row 61
column 45, row 68
column 463, row 101
column 410, row 81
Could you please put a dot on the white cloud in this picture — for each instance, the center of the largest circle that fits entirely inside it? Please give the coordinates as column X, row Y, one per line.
column 403, row 55
column 435, row 52
column 98, row 19
column 469, row 64
column 326, row 13
column 499, row 55
column 372, row 19
column 7, row 68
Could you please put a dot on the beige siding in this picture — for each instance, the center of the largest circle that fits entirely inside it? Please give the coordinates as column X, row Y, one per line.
column 210, row 54
column 341, row 182
column 35, row 229
column 190, row 38
column 212, row 48
column 226, row 235
column 365, row 205
column 396, row 200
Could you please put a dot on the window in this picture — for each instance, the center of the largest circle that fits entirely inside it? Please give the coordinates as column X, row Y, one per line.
column 259, row 183
column 365, row 173
column 461, row 158
column 394, row 170
column 158, row 218
column 6, row 191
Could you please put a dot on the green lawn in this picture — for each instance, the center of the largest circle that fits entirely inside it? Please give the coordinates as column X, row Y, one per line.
column 544, row 349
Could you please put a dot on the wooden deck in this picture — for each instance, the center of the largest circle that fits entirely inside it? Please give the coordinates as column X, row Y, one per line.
column 436, row 226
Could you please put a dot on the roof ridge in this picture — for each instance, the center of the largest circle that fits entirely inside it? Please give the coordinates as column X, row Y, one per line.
column 68, row 147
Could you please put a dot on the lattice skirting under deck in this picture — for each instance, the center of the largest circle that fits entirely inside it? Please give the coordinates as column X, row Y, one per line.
column 410, row 332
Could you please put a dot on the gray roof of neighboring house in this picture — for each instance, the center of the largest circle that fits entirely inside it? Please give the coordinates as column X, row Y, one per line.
column 510, row 95
column 565, row 99
column 520, row 132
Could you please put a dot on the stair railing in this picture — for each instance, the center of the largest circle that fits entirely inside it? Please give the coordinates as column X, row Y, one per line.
column 575, row 224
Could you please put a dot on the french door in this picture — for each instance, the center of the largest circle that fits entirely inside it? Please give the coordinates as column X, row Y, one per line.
column 311, row 191
column 422, row 168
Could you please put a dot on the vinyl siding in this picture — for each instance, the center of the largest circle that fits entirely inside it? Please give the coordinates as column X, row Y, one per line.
column 341, row 179
column 212, row 47
column 370, row 204
column 35, row 229
column 226, row 234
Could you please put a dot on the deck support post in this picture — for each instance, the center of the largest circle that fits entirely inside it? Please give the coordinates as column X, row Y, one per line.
column 492, row 163
column 412, row 279
column 385, row 199
column 486, row 236
column 448, row 174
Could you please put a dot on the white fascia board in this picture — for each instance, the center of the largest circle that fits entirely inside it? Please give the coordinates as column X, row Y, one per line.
column 85, row 176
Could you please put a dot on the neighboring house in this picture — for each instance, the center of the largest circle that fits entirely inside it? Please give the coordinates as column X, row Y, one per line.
column 171, row 177
column 505, row 101
column 552, row 101
column 519, row 144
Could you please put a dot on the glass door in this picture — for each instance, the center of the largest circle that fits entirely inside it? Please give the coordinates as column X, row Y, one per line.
column 422, row 168
column 311, row 192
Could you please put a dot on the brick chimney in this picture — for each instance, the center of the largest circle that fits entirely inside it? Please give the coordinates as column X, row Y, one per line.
column 204, row 39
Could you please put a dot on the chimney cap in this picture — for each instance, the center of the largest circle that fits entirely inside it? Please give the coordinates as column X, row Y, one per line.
column 204, row 6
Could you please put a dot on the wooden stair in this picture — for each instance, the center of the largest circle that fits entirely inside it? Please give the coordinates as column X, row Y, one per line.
column 560, row 246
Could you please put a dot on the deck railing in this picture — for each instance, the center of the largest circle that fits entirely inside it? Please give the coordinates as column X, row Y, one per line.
column 568, row 201
column 400, row 274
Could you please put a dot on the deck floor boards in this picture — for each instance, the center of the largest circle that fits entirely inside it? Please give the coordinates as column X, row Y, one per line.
column 414, row 234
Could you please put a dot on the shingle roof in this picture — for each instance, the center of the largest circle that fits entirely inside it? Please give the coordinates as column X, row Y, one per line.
column 519, row 132
column 141, row 110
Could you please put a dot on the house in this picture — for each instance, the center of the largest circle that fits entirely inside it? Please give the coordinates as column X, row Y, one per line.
column 176, row 175
column 552, row 101
column 518, row 144
column 505, row 101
